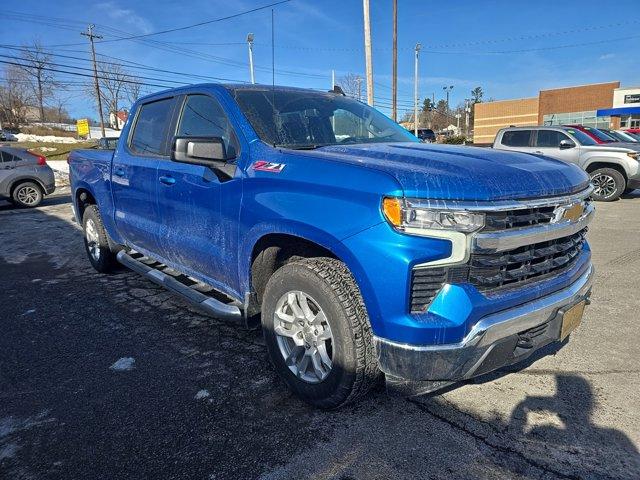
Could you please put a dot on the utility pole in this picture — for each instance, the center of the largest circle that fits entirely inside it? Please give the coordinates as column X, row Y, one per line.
column 250, row 43
column 447, row 90
column 394, row 74
column 333, row 79
column 415, row 92
column 367, row 51
column 89, row 33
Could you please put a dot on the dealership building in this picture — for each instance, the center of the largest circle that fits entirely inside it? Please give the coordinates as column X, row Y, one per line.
column 603, row 105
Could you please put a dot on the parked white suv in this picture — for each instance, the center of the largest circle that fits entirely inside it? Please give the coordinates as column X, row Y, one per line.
column 613, row 170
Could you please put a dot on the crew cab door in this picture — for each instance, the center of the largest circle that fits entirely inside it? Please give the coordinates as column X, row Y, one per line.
column 135, row 175
column 556, row 144
column 198, row 206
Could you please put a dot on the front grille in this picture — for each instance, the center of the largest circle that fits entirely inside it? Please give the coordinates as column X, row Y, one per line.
column 524, row 264
column 497, row 271
column 524, row 217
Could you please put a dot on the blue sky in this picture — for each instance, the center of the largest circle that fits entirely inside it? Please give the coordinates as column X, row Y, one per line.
column 509, row 48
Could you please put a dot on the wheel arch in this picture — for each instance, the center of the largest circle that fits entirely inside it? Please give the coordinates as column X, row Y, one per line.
column 268, row 248
column 17, row 181
column 595, row 165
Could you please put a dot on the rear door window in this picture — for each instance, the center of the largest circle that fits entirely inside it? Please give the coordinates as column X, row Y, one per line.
column 516, row 138
column 149, row 135
column 550, row 138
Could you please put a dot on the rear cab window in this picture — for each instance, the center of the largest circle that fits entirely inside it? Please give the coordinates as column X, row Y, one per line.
column 516, row 138
column 149, row 136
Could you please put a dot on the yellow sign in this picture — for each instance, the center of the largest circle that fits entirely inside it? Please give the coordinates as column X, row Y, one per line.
column 83, row 127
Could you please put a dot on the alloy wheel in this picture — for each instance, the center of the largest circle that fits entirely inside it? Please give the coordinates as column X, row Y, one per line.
column 93, row 240
column 27, row 195
column 304, row 336
column 604, row 185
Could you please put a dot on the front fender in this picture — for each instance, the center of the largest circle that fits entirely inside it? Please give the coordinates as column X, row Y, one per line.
column 309, row 233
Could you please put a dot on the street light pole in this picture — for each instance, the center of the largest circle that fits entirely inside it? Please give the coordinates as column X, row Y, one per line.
column 394, row 69
column 415, row 91
column 250, row 43
column 367, row 51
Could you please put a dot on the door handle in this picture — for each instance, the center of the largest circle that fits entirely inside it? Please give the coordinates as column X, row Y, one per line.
column 167, row 180
column 119, row 172
column 539, row 152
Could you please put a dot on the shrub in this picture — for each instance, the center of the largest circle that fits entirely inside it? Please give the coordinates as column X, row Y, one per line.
column 455, row 140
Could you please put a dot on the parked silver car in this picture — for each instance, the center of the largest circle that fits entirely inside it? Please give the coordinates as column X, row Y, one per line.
column 25, row 177
column 613, row 169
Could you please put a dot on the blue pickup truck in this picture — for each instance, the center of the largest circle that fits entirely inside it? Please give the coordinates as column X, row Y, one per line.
column 362, row 252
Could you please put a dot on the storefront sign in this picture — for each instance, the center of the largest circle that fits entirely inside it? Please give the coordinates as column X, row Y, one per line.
column 633, row 98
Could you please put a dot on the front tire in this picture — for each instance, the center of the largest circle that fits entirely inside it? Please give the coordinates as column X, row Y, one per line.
column 608, row 184
column 27, row 195
column 96, row 241
column 317, row 332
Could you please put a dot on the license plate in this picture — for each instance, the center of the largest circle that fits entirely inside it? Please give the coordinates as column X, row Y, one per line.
column 571, row 319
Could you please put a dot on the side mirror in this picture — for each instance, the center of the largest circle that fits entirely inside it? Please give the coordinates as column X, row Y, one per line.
column 199, row 150
column 565, row 144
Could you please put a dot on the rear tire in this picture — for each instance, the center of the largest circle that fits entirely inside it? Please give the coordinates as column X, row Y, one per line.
column 96, row 241
column 341, row 366
column 609, row 184
column 27, row 195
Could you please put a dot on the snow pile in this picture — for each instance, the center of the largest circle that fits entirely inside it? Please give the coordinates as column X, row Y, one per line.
column 123, row 364
column 202, row 394
column 29, row 137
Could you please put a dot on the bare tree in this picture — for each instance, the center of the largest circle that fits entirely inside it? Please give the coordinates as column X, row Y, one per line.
column 133, row 90
column 40, row 79
column 113, row 83
column 14, row 97
column 351, row 84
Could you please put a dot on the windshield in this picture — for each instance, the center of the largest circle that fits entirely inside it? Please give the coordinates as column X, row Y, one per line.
column 603, row 137
column 581, row 137
column 622, row 136
column 304, row 119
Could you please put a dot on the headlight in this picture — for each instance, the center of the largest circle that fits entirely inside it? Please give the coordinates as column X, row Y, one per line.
column 407, row 215
column 633, row 155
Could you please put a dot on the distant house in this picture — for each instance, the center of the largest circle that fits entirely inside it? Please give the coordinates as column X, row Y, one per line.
column 120, row 118
column 32, row 114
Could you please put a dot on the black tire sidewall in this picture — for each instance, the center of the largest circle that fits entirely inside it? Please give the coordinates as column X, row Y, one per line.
column 106, row 261
column 621, row 184
column 334, row 389
column 17, row 202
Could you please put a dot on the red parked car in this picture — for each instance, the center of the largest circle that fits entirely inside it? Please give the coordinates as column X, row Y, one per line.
column 597, row 135
column 635, row 131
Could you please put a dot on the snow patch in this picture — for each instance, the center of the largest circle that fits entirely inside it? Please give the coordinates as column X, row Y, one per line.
column 29, row 137
column 202, row 394
column 123, row 364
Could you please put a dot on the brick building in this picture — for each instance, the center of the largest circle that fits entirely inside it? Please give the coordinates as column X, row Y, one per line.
column 557, row 106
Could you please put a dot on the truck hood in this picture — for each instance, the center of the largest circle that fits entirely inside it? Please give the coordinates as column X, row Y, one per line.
column 616, row 147
column 463, row 173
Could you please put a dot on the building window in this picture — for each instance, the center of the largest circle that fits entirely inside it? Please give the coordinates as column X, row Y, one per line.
column 588, row 119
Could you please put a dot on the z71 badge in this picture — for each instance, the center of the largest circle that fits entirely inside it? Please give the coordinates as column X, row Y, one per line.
column 264, row 166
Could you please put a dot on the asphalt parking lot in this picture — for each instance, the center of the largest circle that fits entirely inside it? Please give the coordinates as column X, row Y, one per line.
column 105, row 377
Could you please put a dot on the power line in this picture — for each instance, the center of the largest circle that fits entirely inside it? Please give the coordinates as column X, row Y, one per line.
column 199, row 24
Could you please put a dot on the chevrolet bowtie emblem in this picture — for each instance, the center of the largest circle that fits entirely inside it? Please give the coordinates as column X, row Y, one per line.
column 570, row 212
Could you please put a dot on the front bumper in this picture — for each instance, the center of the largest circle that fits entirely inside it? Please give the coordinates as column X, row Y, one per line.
column 496, row 340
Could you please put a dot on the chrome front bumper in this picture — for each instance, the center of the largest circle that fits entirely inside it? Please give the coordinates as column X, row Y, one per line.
column 495, row 341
